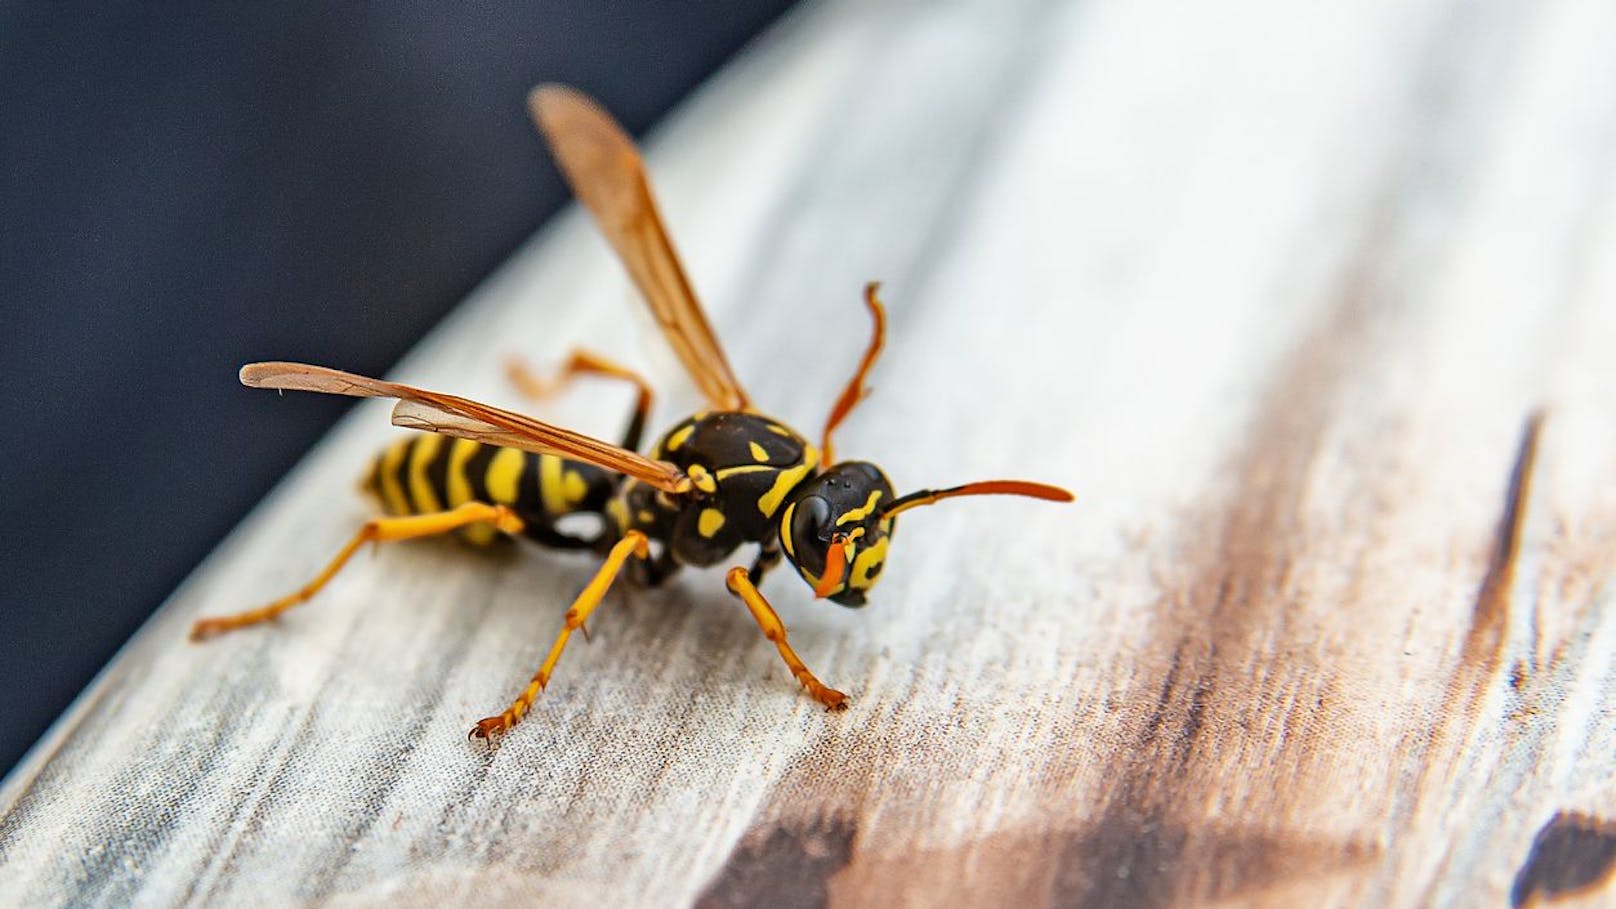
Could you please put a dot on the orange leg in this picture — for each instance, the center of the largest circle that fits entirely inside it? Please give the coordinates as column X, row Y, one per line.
column 773, row 629
column 378, row 530
column 584, row 363
column 633, row 543
column 856, row 390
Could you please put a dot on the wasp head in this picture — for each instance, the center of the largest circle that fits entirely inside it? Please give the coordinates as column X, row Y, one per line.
column 834, row 531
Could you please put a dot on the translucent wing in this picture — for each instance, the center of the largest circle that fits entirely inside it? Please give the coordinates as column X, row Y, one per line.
column 456, row 416
column 604, row 169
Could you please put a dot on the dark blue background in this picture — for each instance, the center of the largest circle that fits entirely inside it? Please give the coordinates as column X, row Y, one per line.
column 189, row 186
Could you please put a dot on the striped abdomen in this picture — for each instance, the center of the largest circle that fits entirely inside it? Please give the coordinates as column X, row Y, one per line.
column 426, row 472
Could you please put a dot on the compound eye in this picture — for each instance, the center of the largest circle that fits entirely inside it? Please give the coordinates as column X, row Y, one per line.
column 811, row 522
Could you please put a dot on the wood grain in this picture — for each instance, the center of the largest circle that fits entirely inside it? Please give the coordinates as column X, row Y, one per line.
column 1313, row 307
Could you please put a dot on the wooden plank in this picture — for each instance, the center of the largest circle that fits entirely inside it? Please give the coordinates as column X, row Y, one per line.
column 1312, row 306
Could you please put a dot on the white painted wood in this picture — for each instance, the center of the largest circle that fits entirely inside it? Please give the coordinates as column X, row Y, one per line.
column 1275, row 287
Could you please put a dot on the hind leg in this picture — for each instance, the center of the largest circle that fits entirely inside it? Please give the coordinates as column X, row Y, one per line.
column 377, row 530
column 585, row 363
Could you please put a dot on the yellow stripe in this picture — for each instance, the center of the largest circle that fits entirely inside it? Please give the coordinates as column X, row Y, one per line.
column 421, row 491
column 504, row 475
column 392, row 494
column 743, row 468
column 679, row 436
column 461, row 451
column 550, row 491
column 460, row 484
column 573, row 488
column 785, row 530
column 770, row 501
column 859, row 514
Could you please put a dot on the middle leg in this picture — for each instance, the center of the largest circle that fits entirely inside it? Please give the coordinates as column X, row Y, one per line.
column 633, row 543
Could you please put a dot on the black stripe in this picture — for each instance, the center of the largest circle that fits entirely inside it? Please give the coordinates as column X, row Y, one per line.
column 404, row 474
column 372, row 481
column 529, row 497
column 477, row 471
column 437, row 472
column 401, row 475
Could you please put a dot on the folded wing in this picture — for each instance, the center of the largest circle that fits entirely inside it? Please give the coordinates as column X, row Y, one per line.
column 456, row 416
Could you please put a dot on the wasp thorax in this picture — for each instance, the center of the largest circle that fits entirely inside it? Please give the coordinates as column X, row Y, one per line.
column 840, row 508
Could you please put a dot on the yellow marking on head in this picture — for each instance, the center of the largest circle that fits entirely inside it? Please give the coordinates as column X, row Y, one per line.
column 867, row 562
column 646, row 516
column 779, row 430
column 769, row 502
column 551, row 492
column 862, row 512
column 701, row 479
column 505, row 475
column 573, row 488
column 710, row 522
column 758, row 451
column 618, row 512
column 392, row 493
column 679, row 437
column 785, row 530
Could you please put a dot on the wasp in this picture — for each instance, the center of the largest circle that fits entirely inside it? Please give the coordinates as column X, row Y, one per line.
column 723, row 478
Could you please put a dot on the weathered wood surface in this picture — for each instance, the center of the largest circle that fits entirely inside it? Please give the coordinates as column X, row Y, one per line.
column 1279, row 288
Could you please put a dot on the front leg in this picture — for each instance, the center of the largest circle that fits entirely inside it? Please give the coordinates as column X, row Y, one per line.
column 775, row 631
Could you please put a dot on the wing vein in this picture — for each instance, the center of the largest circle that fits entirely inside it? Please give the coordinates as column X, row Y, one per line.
column 606, row 173
column 452, row 415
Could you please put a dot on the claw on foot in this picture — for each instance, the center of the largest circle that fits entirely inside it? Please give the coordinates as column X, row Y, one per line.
column 832, row 699
column 203, row 629
column 489, row 728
